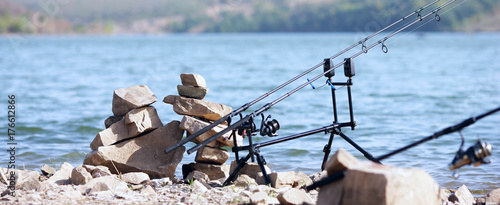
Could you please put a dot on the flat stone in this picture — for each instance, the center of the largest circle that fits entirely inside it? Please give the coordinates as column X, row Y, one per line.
column 211, row 170
column 142, row 120
column 134, row 123
column 126, row 99
column 48, row 170
column 192, row 92
column 80, row 175
column 143, row 154
column 192, row 125
column 462, row 196
column 97, row 171
column 211, row 155
column 340, row 161
column 63, row 175
column 112, row 120
column 200, row 176
column 193, row 80
column 251, row 169
column 199, row 108
column 372, row 183
column 493, row 197
column 135, row 177
column 294, row 196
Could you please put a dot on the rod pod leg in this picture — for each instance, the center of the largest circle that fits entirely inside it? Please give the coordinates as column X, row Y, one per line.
column 327, row 149
column 262, row 162
column 241, row 163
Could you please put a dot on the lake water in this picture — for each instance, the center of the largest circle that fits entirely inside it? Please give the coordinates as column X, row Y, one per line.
column 64, row 87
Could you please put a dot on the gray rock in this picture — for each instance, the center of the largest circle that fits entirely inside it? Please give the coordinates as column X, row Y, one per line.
column 258, row 198
column 318, row 176
column 142, row 154
column 197, row 186
column 372, row 183
column 462, row 196
column 294, row 196
column 135, row 177
column 148, row 190
column 80, row 175
column 301, row 180
column 26, row 179
column 134, row 123
column 48, row 170
column 211, row 170
column 126, row 99
column 200, row 176
column 97, row 171
column 493, row 197
column 192, row 125
column 192, row 92
column 63, row 175
column 193, row 80
column 211, row 155
column 251, row 169
column 340, row 161
column 282, row 179
column 199, row 108
column 244, row 181
column 112, row 120
column 105, row 183
column 142, row 120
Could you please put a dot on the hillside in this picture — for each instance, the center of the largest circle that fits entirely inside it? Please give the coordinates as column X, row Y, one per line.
column 150, row 16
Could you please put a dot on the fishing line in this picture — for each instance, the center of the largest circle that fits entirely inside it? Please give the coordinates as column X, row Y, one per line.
column 269, row 105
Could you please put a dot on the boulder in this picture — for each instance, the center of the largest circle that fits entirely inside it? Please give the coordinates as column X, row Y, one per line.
column 251, row 169
column 340, row 161
column 331, row 194
column 493, row 197
column 200, row 176
column 192, row 125
column 193, row 80
column 126, row 99
column 372, row 183
column 134, row 123
column 462, row 196
column 142, row 120
column 192, row 92
column 294, row 196
column 135, row 177
column 80, row 175
column 48, row 170
column 199, row 108
column 211, row 170
column 63, row 175
column 212, row 155
column 143, row 154
column 112, row 120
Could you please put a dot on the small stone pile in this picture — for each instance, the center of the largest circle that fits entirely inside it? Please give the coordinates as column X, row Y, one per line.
column 198, row 114
column 135, row 137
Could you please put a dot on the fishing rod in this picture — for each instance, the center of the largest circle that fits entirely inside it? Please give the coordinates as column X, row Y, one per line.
column 475, row 154
column 269, row 105
column 247, row 105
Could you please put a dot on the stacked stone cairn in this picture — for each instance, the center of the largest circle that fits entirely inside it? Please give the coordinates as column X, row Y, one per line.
column 135, row 137
column 198, row 114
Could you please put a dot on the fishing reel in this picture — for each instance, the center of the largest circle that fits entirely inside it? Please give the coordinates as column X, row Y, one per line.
column 476, row 155
column 248, row 126
column 269, row 127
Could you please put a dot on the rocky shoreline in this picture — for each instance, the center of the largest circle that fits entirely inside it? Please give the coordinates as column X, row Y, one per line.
column 127, row 165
